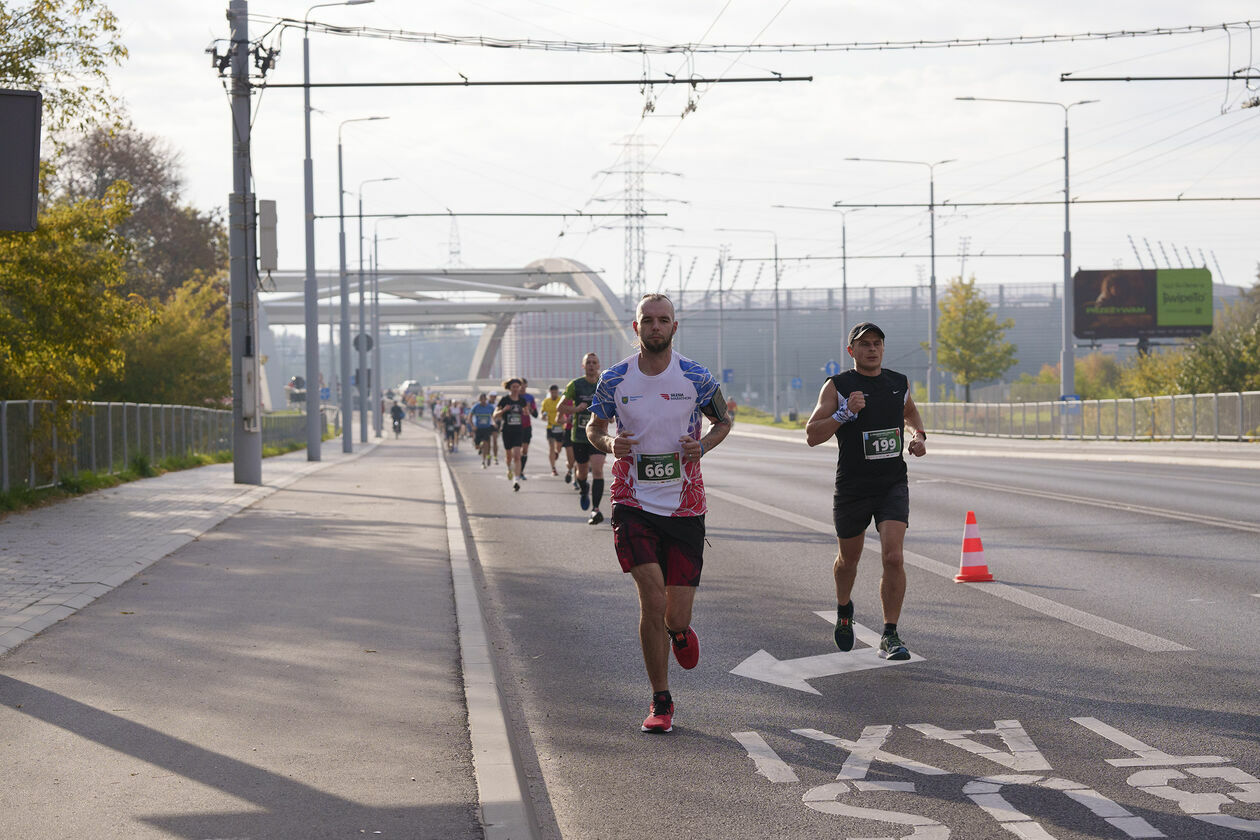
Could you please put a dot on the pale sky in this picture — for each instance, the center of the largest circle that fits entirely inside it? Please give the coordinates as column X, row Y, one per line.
column 745, row 147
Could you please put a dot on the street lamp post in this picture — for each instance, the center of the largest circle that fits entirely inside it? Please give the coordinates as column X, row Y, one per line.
column 774, row 350
column 347, row 404
column 364, row 387
column 931, row 367
column 1067, row 354
column 844, row 272
column 377, row 393
column 314, row 429
column 844, row 256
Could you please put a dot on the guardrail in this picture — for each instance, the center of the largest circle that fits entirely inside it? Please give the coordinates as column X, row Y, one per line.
column 1229, row 416
column 109, row 436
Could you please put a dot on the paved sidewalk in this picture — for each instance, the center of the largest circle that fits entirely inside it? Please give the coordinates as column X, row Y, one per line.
column 289, row 670
column 57, row 559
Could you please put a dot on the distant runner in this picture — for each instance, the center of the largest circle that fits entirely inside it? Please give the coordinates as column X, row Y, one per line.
column 527, row 426
column 483, row 428
column 657, row 397
column 555, row 426
column 867, row 409
column 589, row 460
column 512, row 409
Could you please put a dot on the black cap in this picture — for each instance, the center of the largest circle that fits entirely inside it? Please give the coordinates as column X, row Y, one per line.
column 862, row 329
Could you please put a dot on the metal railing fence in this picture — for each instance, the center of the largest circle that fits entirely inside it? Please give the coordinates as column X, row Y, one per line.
column 108, row 437
column 1229, row 416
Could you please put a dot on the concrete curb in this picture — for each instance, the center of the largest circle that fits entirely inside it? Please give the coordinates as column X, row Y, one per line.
column 503, row 810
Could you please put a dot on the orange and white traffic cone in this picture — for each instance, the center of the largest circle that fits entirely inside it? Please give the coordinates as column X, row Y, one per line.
column 972, row 568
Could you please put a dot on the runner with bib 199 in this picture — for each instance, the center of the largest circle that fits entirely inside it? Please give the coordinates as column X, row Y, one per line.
column 657, row 397
column 867, row 410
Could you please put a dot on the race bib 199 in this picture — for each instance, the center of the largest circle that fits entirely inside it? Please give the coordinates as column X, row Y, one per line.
column 658, row 469
column 884, row 443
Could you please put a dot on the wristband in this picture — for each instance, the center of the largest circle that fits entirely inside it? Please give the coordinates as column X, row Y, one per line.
column 843, row 415
column 701, row 448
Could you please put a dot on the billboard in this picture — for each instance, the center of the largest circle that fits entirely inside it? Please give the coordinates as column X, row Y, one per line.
column 1148, row 303
column 20, row 112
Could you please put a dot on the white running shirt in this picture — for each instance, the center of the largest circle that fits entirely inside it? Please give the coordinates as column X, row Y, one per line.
column 657, row 411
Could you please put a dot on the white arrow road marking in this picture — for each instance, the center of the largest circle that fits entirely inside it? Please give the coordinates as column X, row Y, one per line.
column 1086, row 621
column 795, row 673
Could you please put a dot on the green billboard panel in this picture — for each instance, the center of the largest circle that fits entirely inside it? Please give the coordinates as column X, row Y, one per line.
column 1184, row 298
column 1149, row 303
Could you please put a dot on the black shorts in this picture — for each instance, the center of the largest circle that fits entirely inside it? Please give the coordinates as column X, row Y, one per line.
column 852, row 512
column 582, row 451
column 527, row 434
column 512, row 437
column 675, row 542
column 556, row 436
column 481, row 434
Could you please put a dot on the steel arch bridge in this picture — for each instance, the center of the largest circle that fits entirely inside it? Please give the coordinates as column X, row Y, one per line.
column 426, row 297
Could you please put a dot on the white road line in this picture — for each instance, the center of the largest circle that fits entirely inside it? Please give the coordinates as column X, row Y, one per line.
column 1084, row 620
column 504, row 815
column 1072, row 498
column 1199, row 519
column 765, row 759
column 1042, row 455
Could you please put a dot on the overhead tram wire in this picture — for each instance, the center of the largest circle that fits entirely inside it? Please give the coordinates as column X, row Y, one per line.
column 696, row 48
column 542, row 82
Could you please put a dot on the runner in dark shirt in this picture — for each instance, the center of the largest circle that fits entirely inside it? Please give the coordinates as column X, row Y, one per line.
column 867, row 410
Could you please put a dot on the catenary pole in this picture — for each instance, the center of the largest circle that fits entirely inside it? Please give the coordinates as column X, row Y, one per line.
column 246, row 438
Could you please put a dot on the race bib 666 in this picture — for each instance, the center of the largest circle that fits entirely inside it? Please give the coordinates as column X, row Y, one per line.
column 658, row 469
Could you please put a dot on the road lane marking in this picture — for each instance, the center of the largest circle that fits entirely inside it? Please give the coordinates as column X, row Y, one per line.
column 843, row 797
column 765, row 759
column 1031, row 454
column 1086, row 621
column 795, row 673
column 1071, row 498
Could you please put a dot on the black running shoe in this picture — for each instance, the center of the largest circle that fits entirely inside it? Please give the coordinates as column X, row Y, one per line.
column 844, row 627
column 595, row 519
column 890, row 647
column 568, row 476
column 516, row 486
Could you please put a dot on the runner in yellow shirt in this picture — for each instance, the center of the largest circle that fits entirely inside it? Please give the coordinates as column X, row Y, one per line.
column 550, row 410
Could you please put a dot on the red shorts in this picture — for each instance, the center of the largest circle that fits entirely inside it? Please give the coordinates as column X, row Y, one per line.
column 675, row 542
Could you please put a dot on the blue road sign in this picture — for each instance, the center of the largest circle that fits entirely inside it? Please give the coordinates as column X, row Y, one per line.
column 728, row 375
column 796, row 383
column 832, row 368
column 325, row 393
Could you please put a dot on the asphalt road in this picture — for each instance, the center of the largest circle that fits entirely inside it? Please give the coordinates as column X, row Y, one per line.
column 1109, row 679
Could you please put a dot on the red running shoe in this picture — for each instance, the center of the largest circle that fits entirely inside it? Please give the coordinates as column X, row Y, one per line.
column 661, row 715
column 686, row 647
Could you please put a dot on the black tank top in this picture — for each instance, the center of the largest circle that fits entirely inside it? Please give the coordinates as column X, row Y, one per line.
column 870, row 455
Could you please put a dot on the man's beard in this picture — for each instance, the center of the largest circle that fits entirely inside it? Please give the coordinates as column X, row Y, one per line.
column 657, row 345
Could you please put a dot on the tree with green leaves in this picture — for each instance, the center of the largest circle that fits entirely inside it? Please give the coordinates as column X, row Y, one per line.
column 1228, row 358
column 62, row 48
column 63, row 314
column 969, row 336
column 183, row 357
column 171, row 242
